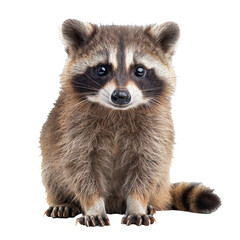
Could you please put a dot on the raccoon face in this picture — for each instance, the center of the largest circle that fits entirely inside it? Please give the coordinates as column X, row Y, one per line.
column 119, row 67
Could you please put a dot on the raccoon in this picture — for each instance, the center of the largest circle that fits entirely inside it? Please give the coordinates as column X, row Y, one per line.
column 107, row 143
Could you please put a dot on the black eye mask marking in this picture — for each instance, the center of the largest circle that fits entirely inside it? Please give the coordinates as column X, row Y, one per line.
column 147, row 81
column 95, row 78
column 92, row 80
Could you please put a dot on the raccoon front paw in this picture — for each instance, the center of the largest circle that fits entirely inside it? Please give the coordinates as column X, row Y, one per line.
column 151, row 210
column 138, row 219
column 62, row 212
column 99, row 220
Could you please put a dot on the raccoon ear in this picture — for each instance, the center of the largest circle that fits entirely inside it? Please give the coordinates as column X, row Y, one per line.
column 76, row 33
column 166, row 35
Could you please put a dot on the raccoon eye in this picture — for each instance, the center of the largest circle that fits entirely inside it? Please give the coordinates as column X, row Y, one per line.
column 102, row 71
column 139, row 71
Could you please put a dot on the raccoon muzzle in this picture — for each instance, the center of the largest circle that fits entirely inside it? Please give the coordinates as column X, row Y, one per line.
column 194, row 197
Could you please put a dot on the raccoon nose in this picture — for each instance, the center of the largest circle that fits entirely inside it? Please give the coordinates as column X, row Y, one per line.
column 121, row 97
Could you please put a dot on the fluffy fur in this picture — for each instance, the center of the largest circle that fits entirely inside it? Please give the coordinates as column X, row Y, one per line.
column 99, row 158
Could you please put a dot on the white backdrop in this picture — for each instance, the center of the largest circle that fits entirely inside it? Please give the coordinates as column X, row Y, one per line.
column 205, row 111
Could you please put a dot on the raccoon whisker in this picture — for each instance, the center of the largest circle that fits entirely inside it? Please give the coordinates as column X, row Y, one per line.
column 81, row 103
column 86, row 91
column 84, row 86
column 149, row 104
column 154, row 101
column 150, row 89
column 156, row 96
column 91, row 89
column 106, row 95
column 80, row 83
column 84, row 94
column 94, row 81
column 90, row 78
column 150, row 108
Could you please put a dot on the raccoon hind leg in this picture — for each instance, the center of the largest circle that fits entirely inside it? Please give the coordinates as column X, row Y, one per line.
column 61, row 205
column 162, row 200
column 62, row 211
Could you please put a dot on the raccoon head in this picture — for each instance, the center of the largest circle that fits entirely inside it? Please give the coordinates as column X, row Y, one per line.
column 119, row 67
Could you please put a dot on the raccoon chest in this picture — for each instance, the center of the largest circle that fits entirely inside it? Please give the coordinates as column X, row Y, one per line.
column 120, row 163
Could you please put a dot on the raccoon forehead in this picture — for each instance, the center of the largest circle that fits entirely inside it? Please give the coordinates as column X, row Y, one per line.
column 130, row 57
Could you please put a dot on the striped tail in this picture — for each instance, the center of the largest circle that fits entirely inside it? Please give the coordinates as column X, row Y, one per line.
column 194, row 197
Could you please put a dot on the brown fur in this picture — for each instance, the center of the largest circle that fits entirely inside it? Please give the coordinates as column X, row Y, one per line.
column 91, row 152
column 108, row 139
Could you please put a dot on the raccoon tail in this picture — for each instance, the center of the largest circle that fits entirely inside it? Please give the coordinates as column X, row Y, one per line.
column 194, row 197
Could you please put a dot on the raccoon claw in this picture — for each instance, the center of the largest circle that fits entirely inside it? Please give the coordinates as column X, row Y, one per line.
column 138, row 220
column 93, row 220
column 151, row 210
column 61, row 212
